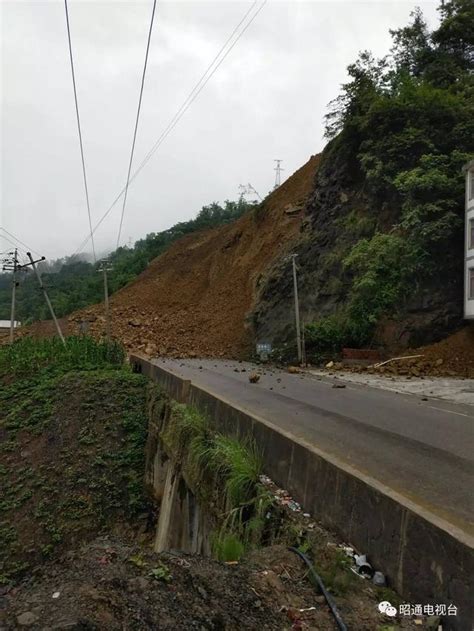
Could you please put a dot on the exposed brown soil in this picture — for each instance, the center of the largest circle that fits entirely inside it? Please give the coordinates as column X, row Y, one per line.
column 107, row 585
column 451, row 357
column 456, row 351
column 193, row 300
column 42, row 328
column 110, row 584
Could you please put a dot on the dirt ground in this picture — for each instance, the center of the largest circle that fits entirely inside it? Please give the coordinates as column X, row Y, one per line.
column 451, row 357
column 184, row 304
column 456, row 351
column 111, row 584
column 42, row 328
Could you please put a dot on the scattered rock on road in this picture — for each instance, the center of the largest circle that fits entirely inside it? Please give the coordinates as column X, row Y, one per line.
column 293, row 369
column 254, row 377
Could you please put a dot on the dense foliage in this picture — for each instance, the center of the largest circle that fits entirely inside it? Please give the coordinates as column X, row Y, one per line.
column 73, row 283
column 407, row 124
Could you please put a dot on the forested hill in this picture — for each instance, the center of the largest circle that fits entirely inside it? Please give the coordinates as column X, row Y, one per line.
column 382, row 257
column 74, row 283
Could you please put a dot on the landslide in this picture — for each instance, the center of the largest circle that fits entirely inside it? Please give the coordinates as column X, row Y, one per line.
column 195, row 298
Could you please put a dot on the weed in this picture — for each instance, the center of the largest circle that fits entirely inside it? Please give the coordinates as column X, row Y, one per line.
column 138, row 561
column 336, row 574
column 187, row 425
column 228, row 547
column 223, row 471
column 161, row 573
column 304, row 547
column 238, row 463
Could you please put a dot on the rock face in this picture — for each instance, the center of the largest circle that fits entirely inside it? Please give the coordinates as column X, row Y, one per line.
column 338, row 215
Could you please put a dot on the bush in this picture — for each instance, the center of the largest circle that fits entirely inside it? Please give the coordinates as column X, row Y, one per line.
column 385, row 269
column 327, row 335
column 406, row 124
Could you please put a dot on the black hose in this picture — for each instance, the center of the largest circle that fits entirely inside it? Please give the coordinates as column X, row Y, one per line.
column 326, row 594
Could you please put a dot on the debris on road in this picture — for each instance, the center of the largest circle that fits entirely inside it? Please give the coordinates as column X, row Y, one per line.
column 254, row 377
column 293, row 369
column 395, row 359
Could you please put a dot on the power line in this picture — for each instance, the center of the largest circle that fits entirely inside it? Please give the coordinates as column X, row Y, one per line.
column 2, row 236
column 182, row 109
column 184, row 106
column 17, row 239
column 136, row 123
column 79, row 129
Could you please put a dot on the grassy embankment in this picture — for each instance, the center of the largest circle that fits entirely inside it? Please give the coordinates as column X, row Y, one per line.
column 72, row 433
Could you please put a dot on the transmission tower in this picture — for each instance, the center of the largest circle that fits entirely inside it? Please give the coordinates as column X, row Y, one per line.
column 248, row 190
column 278, row 171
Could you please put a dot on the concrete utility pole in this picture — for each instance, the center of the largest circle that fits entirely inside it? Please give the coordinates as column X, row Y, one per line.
column 12, row 312
column 297, row 309
column 278, row 171
column 104, row 268
column 45, row 293
column 11, row 264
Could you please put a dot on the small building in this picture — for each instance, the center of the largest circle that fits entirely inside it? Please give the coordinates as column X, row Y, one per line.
column 469, row 243
column 5, row 325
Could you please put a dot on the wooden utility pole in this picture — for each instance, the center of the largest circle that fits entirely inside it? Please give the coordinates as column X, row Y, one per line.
column 104, row 268
column 45, row 293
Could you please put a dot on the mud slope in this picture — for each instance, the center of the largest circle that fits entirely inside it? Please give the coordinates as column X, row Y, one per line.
column 193, row 299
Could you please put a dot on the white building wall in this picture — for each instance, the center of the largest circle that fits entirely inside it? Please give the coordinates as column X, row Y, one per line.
column 469, row 244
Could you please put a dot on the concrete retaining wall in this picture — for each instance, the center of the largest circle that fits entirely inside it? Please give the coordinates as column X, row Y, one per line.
column 426, row 559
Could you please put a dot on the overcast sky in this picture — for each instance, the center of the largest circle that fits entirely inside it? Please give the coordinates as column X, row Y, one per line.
column 267, row 100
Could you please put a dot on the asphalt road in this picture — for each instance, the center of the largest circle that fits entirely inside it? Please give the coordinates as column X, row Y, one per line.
column 424, row 450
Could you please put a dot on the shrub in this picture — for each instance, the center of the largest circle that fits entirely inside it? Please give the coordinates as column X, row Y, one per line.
column 327, row 334
column 385, row 270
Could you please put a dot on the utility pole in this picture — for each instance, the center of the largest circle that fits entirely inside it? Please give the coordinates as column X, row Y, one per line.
column 297, row 309
column 104, row 268
column 278, row 171
column 45, row 293
column 11, row 264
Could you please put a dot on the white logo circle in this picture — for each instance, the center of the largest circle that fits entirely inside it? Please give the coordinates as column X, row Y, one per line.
column 383, row 606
